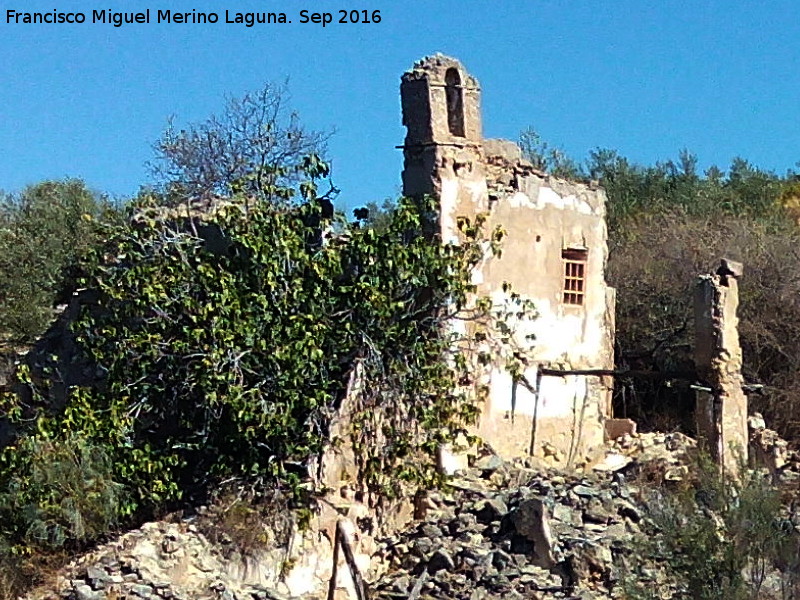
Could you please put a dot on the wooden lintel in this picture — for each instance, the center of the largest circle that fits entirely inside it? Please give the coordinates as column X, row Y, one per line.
column 688, row 375
column 749, row 388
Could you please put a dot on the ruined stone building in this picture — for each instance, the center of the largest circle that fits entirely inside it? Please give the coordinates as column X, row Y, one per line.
column 554, row 254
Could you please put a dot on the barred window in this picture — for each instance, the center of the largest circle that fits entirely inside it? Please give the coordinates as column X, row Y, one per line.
column 574, row 275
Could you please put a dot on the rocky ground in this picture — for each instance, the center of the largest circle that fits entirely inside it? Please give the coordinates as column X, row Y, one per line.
column 506, row 530
column 500, row 530
column 159, row 561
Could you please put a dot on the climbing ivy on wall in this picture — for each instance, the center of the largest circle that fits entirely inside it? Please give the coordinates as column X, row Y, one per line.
column 224, row 341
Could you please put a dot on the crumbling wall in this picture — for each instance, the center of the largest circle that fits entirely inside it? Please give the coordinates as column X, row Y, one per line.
column 722, row 410
column 545, row 218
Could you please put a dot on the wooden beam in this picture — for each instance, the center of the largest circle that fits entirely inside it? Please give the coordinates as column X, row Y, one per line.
column 749, row 388
column 350, row 559
column 688, row 375
column 335, row 574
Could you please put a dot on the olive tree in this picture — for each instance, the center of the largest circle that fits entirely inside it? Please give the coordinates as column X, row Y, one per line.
column 43, row 230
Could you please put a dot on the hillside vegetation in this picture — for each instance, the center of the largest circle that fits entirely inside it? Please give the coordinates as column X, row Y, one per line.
column 668, row 223
column 224, row 363
column 214, row 335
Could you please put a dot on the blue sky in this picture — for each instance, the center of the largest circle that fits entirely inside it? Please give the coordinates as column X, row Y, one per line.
column 645, row 78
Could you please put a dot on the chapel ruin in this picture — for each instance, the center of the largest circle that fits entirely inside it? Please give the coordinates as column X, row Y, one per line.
column 554, row 254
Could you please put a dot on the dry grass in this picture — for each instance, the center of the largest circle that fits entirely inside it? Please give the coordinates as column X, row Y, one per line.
column 654, row 264
column 243, row 523
column 19, row 575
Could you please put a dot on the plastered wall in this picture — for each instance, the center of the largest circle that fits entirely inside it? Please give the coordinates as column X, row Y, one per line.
column 559, row 417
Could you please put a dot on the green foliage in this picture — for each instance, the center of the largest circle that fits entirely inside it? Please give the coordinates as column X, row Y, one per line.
column 548, row 158
column 58, row 491
column 716, row 538
column 226, row 341
column 667, row 224
column 635, row 190
column 42, row 231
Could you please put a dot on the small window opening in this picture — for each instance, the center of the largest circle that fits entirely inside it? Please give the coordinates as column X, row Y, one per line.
column 455, row 102
column 574, row 275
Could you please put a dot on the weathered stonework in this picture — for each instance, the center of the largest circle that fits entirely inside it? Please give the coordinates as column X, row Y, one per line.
column 548, row 221
column 722, row 412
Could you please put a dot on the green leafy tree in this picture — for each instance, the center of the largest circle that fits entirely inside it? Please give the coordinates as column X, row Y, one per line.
column 227, row 337
column 635, row 190
column 42, row 232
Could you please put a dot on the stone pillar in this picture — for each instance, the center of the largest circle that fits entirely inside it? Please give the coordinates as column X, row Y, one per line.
column 721, row 413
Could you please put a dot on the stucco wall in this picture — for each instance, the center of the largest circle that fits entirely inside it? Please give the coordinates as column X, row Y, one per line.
column 542, row 216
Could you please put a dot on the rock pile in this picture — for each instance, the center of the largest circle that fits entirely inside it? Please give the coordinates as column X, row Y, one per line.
column 500, row 530
column 165, row 561
column 652, row 456
column 507, row 531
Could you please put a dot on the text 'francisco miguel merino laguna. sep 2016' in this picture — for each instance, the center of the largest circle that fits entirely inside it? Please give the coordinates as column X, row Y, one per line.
column 193, row 17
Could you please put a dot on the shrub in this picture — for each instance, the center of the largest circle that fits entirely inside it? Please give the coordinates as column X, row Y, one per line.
column 248, row 523
column 716, row 538
column 42, row 231
column 224, row 357
column 59, row 491
column 13, row 578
